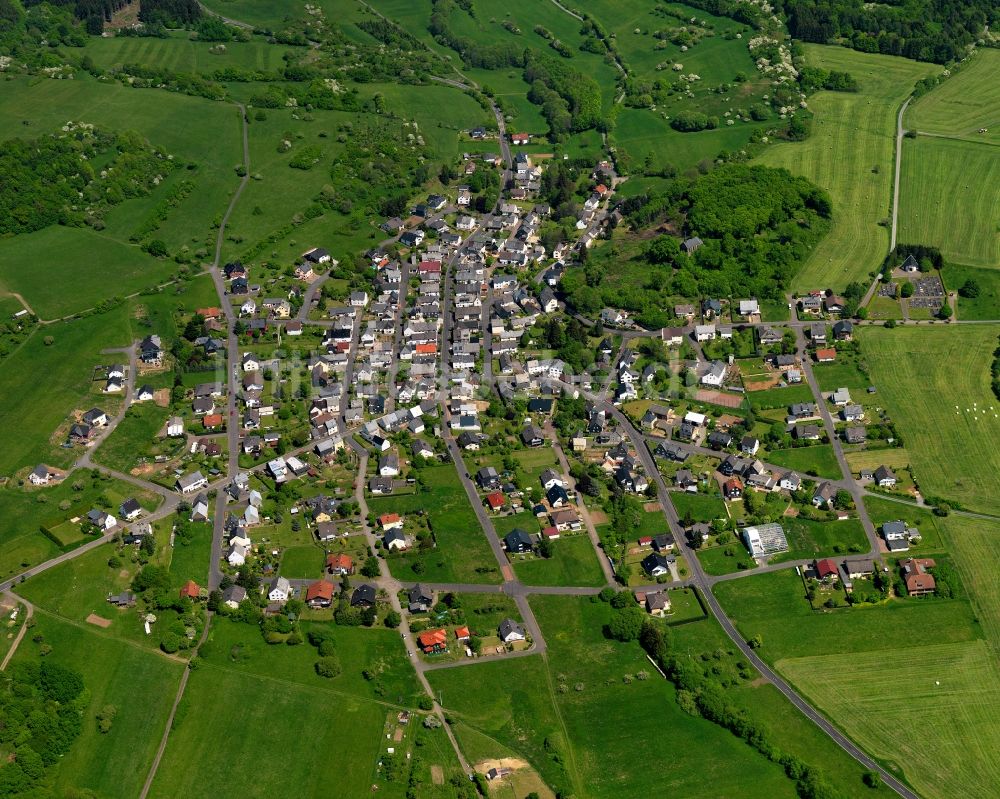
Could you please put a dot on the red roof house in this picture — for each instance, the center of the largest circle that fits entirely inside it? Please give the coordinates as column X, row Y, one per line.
column 433, row 641
column 495, row 500
column 319, row 594
column 826, row 568
column 733, row 488
column 389, row 521
column 426, row 349
column 551, row 533
column 463, row 634
column 190, row 590
column 429, row 267
column 520, row 138
column 340, row 564
column 646, row 541
column 212, row 420
column 826, row 355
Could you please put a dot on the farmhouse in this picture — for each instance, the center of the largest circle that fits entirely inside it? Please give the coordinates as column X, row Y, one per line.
column 884, row 477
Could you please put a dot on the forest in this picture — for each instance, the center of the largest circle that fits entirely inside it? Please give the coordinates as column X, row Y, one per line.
column 42, row 707
column 72, row 178
column 757, row 224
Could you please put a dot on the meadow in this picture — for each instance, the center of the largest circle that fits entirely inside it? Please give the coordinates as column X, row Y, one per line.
column 573, row 562
column 973, row 546
column 818, row 460
column 141, row 684
column 948, row 198
column 701, row 507
column 850, row 154
column 932, row 380
column 462, row 553
column 606, row 759
column 963, row 103
column 986, row 304
column 876, row 697
column 180, row 53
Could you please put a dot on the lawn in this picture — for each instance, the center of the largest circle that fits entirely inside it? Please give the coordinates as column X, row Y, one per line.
column 573, row 562
column 886, row 510
column 818, row 460
column 462, row 553
column 850, row 154
column 302, row 562
column 964, row 103
column 140, row 684
column 183, row 54
column 137, row 438
column 718, row 561
column 701, row 507
column 774, row 606
column 811, row 539
column 986, row 304
column 779, row 397
column 190, row 561
column 935, row 383
column 954, row 688
column 948, row 198
column 842, row 372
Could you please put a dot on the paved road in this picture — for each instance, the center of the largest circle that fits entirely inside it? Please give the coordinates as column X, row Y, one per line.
column 29, row 611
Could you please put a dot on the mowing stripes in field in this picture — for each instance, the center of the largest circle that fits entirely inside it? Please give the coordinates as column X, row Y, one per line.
column 964, row 104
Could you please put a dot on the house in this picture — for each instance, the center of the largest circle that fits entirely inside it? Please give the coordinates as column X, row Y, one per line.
column 189, row 483
column 833, row 304
column 488, row 478
column 802, row 410
column 363, row 596
column 656, row 565
column 236, row 555
column 704, row 332
column 190, row 590
column 898, row 536
column 855, row 435
column 686, row 481
column 317, row 255
column 662, row 543
column 657, row 603
column 711, row 308
column 151, row 350
column 232, row 596
column 531, row 435
column 390, row 521
column 825, row 569
column 749, row 445
column 510, row 631
column 520, row 138
column 919, row 581
column 41, row 475
column 339, row 564
column 395, row 540
column 319, row 594
column 517, row 541
column 540, row 405
column 101, row 520
column 496, row 501
column 806, row 432
column 826, row 355
column 817, row 333
column 688, row 246
column 280, row 590
column 130, row 509
column 843, row 330
column 789, row 481
column 852, row 412
column 715, row 375
column 433, row 641
column 733, row 488
column 749, row 308
column 764, row 539
column 95, row 417
column 144, row 394
column 841, row 397
column 824, row 494
column 419, row 599
column 388, row 465
column 719, row 439
column 125, row 599
column 884, row 477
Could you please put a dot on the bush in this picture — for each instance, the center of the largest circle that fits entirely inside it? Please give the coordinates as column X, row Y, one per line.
column 328, row 667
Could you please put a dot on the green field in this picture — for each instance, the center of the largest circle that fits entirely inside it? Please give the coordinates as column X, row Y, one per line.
column 875, row 696
column 135, row 437
column 573, row 562
column 302, row 562
column 461, row 549
column 182, row 54
column 948, row 198
column 702, row 507
column 922, row 375
column 986, row 304
column 140, row 684
column 819, row 460
column 962, row 104
column 853, row 134
column 607, row 759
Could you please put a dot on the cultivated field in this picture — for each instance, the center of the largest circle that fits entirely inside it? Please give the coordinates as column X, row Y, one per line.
column 963, row 103
column 948, row 198
column 928, row 709
column 850, row 154
column 935, row 384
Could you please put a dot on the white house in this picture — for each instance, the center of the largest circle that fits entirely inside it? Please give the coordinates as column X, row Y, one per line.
column 175, row 427
column 704, row 332
column 715, row 374
column 280, row 590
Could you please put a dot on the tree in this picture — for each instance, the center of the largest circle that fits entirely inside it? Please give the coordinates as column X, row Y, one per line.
column 371, row 567
column 393, row 620
column 59, row 683
column 906, row 290
column 157, row 248
column 328, row 667
column 105, row 718
column 970, row 289
column 842, row 500
column 626, row 624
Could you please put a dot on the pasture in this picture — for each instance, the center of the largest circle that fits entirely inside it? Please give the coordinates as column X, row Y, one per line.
column 874, row 696
column 461, row 553
column 963, row 103
column 139, row 683
column 974, row 547
column 573, row 562
column 948, row 198
column 179, row 53
column 986, row 304
column 850, row 154
column 935, row 384
column 818, row 460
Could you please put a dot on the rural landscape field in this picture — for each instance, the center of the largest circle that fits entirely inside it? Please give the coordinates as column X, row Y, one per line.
column 458, row 399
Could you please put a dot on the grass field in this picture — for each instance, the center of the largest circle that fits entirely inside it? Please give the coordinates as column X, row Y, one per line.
column 986, row 304
column 922, row 375
column 573, row 562
column 140, row 684
column 819, row 460
column 774, row 606
column 962, row 104
column 182, row 54
column 948, row 198
column 953, row 690
column 702, row 507
column 461, row 549
column 134, row 437
column 607, row 759
column 853, row 134
column 302, row 562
